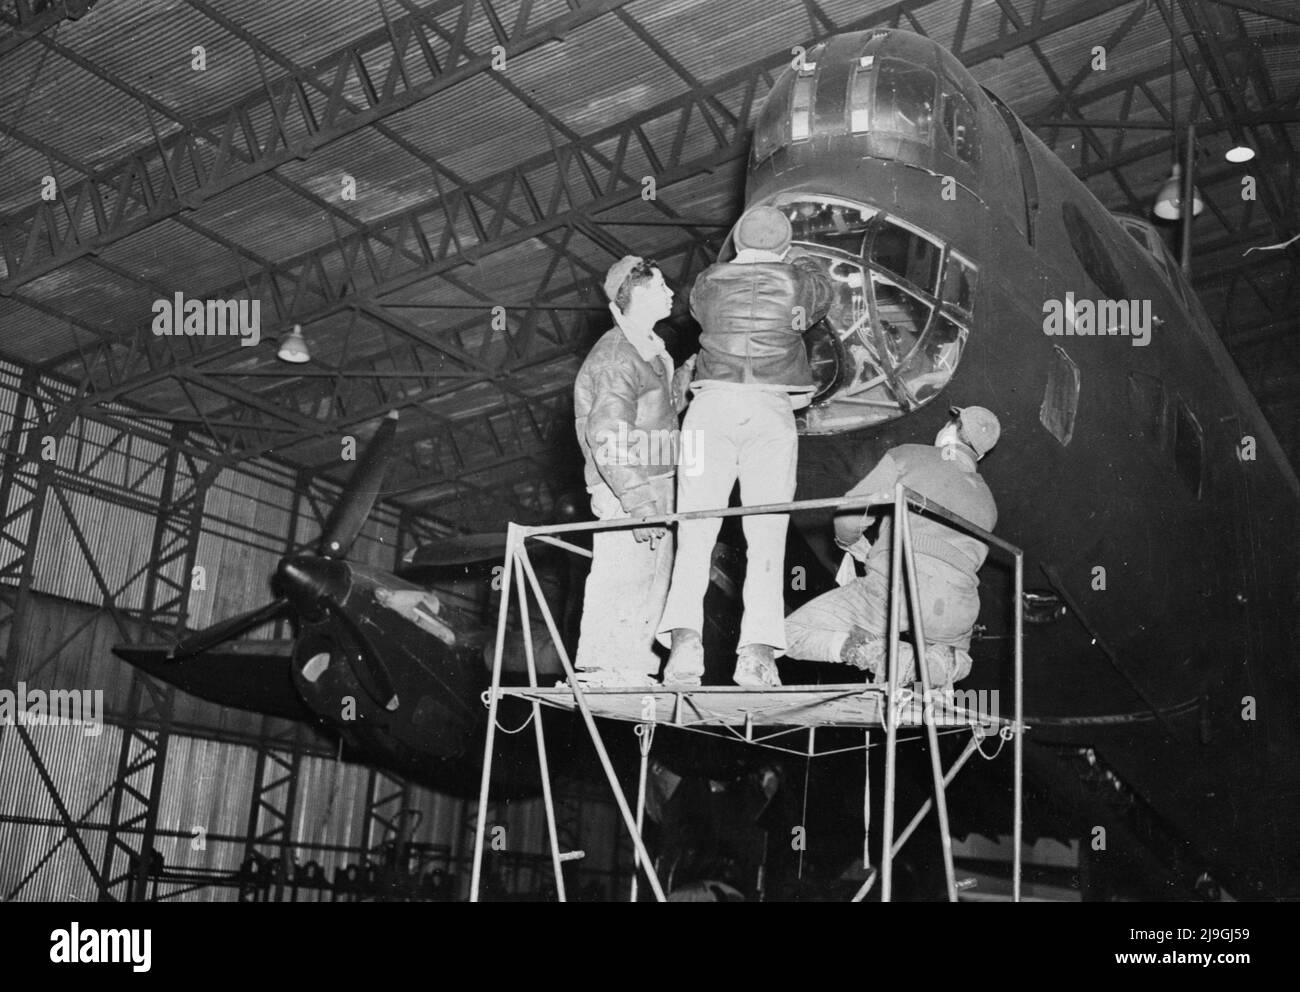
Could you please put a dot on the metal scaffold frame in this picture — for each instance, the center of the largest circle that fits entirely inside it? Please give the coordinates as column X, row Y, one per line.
column 725, row 707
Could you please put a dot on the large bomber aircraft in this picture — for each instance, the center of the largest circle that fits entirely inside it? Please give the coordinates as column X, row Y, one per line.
column 1156, row 509
column 1157, row 512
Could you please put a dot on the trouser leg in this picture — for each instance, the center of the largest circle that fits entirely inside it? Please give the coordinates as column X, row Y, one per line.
column 624, row 595
column 818, row 629
column 768, row 459
column 656, row 597
column 709, row 489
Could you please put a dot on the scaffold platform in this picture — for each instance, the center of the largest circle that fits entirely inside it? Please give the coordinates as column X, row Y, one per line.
column 769, row 717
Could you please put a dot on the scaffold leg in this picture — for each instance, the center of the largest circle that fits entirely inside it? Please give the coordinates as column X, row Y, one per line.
column 494, row 697
column 542, row 763
column 866, row 800
column 891, row 709
column 1018, row 745
column 645, row 733
column 580, row 699
column 927, row 707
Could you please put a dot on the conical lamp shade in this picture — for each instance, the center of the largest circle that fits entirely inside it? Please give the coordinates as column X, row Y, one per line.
column 293, row 347
column 1169, row 201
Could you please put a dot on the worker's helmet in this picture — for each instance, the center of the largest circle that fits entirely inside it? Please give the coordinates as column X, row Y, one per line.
column 978, row 427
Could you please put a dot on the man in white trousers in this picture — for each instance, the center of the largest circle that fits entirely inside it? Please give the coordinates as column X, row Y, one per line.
column 752, row 374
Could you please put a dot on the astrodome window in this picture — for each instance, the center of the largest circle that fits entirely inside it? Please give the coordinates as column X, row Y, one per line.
column 1092, row 252
column 905, row 100
column 1146, row 235
column 899, row 317
column 1141, row 234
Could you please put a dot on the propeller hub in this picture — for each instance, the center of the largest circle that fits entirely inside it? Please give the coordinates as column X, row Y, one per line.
column 309, row 582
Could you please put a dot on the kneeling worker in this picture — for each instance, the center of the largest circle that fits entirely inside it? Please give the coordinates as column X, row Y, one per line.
column 851, row 624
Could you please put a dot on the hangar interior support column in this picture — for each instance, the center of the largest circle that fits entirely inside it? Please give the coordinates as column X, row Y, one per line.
column 271, row 811
column 18, row 526
column 138, row 788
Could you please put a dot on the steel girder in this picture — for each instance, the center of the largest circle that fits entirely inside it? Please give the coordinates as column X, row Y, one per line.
column 568, row 187
column 28, row 19
column 147, row 730
column 396, row 67
column 476, row 220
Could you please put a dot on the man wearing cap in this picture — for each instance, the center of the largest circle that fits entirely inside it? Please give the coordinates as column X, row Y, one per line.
column 753, row 373
column 626, row 399
column 851, row 624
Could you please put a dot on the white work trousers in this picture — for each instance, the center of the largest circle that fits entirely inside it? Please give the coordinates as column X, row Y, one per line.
column 745, row 434
column 626, row 589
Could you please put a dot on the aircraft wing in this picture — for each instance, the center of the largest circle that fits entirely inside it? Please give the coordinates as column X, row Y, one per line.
column 457, row 549
column 245, row 675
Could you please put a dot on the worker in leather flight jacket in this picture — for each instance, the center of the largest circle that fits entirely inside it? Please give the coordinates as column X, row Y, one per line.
column 752, row 374
column 626, row 400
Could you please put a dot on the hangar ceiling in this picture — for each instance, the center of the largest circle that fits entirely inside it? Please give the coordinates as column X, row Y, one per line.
column 497, row 151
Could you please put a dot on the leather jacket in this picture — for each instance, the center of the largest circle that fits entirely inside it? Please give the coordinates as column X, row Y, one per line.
column 750, row 334
column 626, row 421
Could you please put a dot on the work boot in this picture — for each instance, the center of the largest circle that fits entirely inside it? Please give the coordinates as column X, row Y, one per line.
column 946, row 665
column 756, row 667
column 686, row 660
column 868, row 652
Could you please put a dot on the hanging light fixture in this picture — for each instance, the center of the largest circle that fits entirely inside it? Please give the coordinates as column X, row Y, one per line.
column 1169, row 201
column 293, row 347
column 1240, row 152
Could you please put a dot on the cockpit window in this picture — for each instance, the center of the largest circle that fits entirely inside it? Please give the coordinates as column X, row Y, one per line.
column 834, row 225
column 771, row 130
column 959, row 124
column 959, row 283
column 860, row 94
column 801, row 107
column 905, row 100
column 933, row 361
column 899, row 319
column 907, row 254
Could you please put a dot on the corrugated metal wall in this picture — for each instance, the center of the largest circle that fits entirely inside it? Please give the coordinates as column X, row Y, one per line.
column 113, row 482
column 82, row 769
column 203, row 816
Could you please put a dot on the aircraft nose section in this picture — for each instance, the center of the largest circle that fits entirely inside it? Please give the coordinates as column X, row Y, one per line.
column 309, row 581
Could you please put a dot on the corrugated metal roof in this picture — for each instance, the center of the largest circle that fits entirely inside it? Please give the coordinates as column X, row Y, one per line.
column 596, row 77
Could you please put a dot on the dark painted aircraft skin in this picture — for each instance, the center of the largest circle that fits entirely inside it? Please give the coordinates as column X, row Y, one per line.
column 1195, row 613
column 1198, row 606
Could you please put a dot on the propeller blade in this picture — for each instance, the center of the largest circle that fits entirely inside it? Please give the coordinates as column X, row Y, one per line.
column 372, row 673
column 247, row 675
column 358, row 499
column 209, row 637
